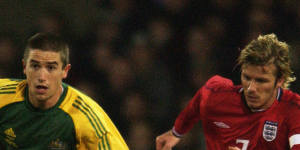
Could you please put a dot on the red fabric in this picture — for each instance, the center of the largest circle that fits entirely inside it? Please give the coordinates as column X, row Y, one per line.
column 296, row 147
column 227, row 121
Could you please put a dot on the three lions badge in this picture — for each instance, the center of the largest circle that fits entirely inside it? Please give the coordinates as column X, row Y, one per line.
column 270, row 130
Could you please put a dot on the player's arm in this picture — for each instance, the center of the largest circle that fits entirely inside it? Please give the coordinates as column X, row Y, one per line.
column 189, row 116
column 108, row 139
column 293, row 124
column 296, row 147
column 184, row 122
column 111, row 139
column 94, row 128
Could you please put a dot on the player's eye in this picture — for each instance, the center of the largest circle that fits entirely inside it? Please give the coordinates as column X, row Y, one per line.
column 261, row 80
column 51, row 67
column 34, row 66
column 246, row 77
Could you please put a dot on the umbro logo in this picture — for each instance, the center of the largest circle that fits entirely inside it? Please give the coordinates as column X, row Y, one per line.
column 221, row 125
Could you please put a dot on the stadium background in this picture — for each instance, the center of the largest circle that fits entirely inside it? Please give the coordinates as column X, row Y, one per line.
column 143, row 60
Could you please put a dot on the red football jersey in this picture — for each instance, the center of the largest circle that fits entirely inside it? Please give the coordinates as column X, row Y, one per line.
column 227, row 120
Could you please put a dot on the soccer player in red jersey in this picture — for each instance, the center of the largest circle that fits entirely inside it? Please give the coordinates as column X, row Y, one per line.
column 259, row 114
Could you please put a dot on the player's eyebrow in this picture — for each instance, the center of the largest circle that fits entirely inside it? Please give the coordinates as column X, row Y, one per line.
column 49, row 63
column 52, row 63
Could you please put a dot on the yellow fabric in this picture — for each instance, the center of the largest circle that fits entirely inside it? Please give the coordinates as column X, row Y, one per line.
column 94, row 129
column 11, row 90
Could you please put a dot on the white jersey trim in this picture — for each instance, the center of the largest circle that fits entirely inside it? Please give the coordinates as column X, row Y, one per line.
column 176, row 134
column 294, row 140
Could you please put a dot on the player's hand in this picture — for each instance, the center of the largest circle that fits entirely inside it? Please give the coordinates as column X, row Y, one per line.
column 233, row 148
column 166, row 141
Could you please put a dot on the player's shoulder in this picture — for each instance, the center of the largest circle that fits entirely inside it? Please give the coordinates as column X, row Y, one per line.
column 290, row 97
column 9, row 81
column 11, row 90
column 75, row 97
column 289, row 107
column 85, row 112
column 219, row 83
column 76, row 102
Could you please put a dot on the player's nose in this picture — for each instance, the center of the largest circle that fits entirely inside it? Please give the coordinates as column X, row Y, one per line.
column 251, row 86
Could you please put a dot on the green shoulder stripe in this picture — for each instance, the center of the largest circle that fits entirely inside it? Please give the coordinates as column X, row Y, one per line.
column 90, row 118
column 14, row 79
column 10, row 88
column 15, row 84
column 102, row 144
column 98, row 119
column 94, row 120
column 7, row 88
column 7, row 92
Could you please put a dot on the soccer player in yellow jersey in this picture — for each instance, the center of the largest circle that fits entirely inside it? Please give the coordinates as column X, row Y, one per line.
column 41, row 112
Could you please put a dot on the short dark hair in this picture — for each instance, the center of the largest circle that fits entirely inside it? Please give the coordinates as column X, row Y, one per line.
column 48, row 42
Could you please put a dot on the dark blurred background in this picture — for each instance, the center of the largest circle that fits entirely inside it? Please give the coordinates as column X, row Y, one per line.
column 143, row 60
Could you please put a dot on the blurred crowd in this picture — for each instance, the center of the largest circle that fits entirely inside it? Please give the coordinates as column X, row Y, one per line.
column 143, row 60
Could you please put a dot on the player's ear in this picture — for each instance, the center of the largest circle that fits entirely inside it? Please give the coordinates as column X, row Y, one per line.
column 66, row 70
column 280, row 82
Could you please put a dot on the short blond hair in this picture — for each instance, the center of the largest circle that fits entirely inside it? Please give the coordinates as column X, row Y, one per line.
column 267, row 49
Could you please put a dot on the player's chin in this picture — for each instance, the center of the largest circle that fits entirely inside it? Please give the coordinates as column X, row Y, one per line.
column 253, row 106
column 42, row 98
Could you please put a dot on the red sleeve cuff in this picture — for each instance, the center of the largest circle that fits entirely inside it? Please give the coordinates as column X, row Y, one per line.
column 176, row 134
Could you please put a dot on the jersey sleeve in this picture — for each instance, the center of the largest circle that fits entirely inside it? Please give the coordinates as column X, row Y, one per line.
column 104, row 136
column 296, row 147
column 112, row 137
column 188, row 116
column 11, row 91
column 94, row 130
column 98, row 132
column 191, row 114
column 294, row 127
column 294, row 139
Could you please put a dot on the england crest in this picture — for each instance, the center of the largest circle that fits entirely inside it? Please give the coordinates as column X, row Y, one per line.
column 270, row 130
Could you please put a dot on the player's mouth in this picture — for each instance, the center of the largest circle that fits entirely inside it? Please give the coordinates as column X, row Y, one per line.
column 252, row 98
column 41, row 89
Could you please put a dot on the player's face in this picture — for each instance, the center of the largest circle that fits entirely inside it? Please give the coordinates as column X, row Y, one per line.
column 260, row 85
column 44, row 73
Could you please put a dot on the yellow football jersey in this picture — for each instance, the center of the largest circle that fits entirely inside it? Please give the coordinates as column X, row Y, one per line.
column 75, row 122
